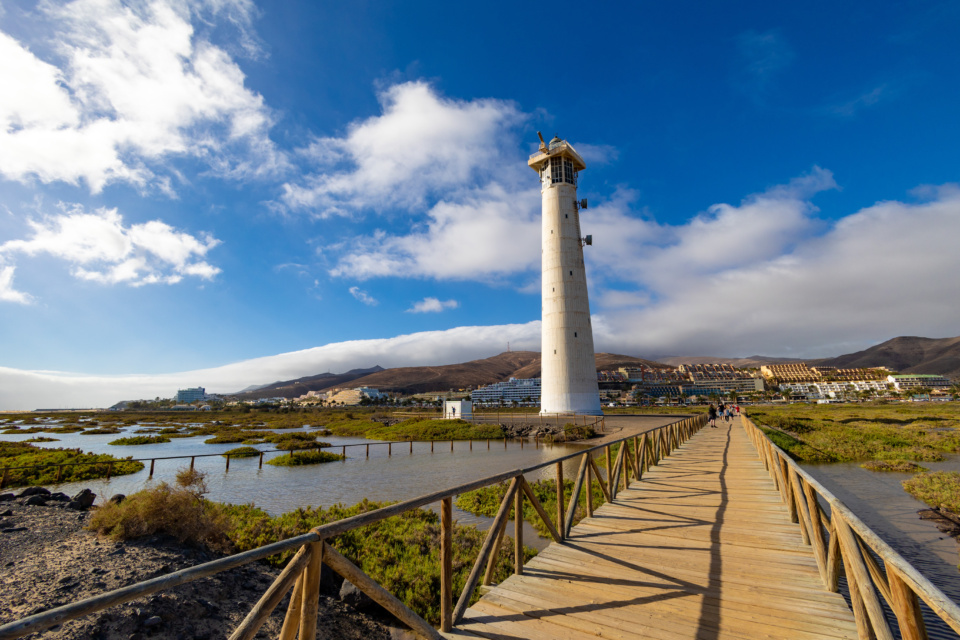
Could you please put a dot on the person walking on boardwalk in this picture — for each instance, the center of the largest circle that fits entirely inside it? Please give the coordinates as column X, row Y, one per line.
column 712, row 413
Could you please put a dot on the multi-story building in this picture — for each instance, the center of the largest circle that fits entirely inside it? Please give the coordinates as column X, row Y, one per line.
column 907, row 382
column 725, row 386
column 187, row 396
column 513, row 390
column 789, row 373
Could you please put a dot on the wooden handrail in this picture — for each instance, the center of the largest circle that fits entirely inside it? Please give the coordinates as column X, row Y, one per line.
column 850, row 543
column 303, row 570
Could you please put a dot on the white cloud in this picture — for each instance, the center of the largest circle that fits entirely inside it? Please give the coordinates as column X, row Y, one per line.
column 363, row 296
column 100, row 248
column 881, row 272
column 7, row 292
column 123, row 89
column 422, row 145
column 432, row 305
column 20, row 389
column 487, row 233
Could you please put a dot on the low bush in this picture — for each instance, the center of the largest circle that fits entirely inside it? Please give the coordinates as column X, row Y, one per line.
column 132, row 440
column 940, row 488
column 435, row 430
column 21, row 454
column 100, row 431
column 241, row 452
column 42, row 439
column 294, row 459
column 901, row 466
column 179, row 511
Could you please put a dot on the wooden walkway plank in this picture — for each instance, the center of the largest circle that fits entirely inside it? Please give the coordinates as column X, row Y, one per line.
column 702, row 548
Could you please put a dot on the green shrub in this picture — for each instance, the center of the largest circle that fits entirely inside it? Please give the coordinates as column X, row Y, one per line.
column 293, row 459
column 940, row 488
column 21, row 454
column 901, row 466
column 42, row 439
column 435, row 430
column 100, row 431
column 132, row 440
column 241, row 452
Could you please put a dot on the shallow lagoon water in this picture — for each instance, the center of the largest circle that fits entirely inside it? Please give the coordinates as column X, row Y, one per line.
column 400, row 476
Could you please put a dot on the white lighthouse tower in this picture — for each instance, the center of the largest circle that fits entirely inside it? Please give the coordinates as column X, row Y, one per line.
column 569, row 371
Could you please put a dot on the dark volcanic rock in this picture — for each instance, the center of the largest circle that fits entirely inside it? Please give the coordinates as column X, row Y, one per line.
column 84, row 499
column 34, row 491
column 36, row 501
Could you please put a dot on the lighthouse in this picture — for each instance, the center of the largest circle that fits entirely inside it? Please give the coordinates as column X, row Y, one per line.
column 568, row 378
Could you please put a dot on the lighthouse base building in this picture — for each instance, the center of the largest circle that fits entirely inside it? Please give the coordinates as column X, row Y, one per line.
column 569, row 372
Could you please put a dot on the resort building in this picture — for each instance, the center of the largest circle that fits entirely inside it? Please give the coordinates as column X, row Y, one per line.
column 187, row 396
column 513, row 390
column 906, row 382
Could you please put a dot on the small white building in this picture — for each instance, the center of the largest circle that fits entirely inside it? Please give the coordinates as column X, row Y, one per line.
column 457, row 409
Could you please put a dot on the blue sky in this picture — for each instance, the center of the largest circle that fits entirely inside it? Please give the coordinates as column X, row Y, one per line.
column 190, row 189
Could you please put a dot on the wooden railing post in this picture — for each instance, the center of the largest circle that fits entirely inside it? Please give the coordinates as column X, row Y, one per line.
column 446, row 564
column 291, row 622
column 272, row 597
column 590, row 467
column 800, row 506
column 560, row 487
column 310, row 604
column 575, row 496
column 518, row 530
column 857, row 575
column 906, row 606
column 611, row 491
column 816, row 529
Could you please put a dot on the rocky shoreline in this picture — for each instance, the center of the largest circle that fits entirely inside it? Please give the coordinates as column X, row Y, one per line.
column 48, row 559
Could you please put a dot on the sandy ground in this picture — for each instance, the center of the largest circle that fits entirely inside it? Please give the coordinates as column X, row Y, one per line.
column 47, row 560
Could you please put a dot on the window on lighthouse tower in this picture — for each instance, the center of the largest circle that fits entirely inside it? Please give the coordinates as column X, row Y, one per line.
column 556, row 170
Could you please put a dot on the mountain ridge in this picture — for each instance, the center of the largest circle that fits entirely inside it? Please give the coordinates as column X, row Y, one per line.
column 906, row 354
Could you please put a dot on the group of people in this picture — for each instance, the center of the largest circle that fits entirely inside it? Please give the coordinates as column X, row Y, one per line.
column 725, row 411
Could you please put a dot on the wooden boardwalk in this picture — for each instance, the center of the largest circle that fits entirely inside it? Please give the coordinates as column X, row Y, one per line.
column 701, row 548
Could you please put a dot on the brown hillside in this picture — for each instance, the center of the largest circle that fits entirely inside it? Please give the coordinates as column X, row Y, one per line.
column 300, row 386
column 476, row 373
column 451, row 376
column 907, row 354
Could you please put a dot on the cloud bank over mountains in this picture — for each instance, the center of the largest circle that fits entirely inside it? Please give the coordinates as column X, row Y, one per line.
column 52, row 389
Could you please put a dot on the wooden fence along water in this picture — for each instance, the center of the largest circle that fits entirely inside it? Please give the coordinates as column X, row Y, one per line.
column 302, row 573
column 581, row 422
column 764, row 584
column 842, row 542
